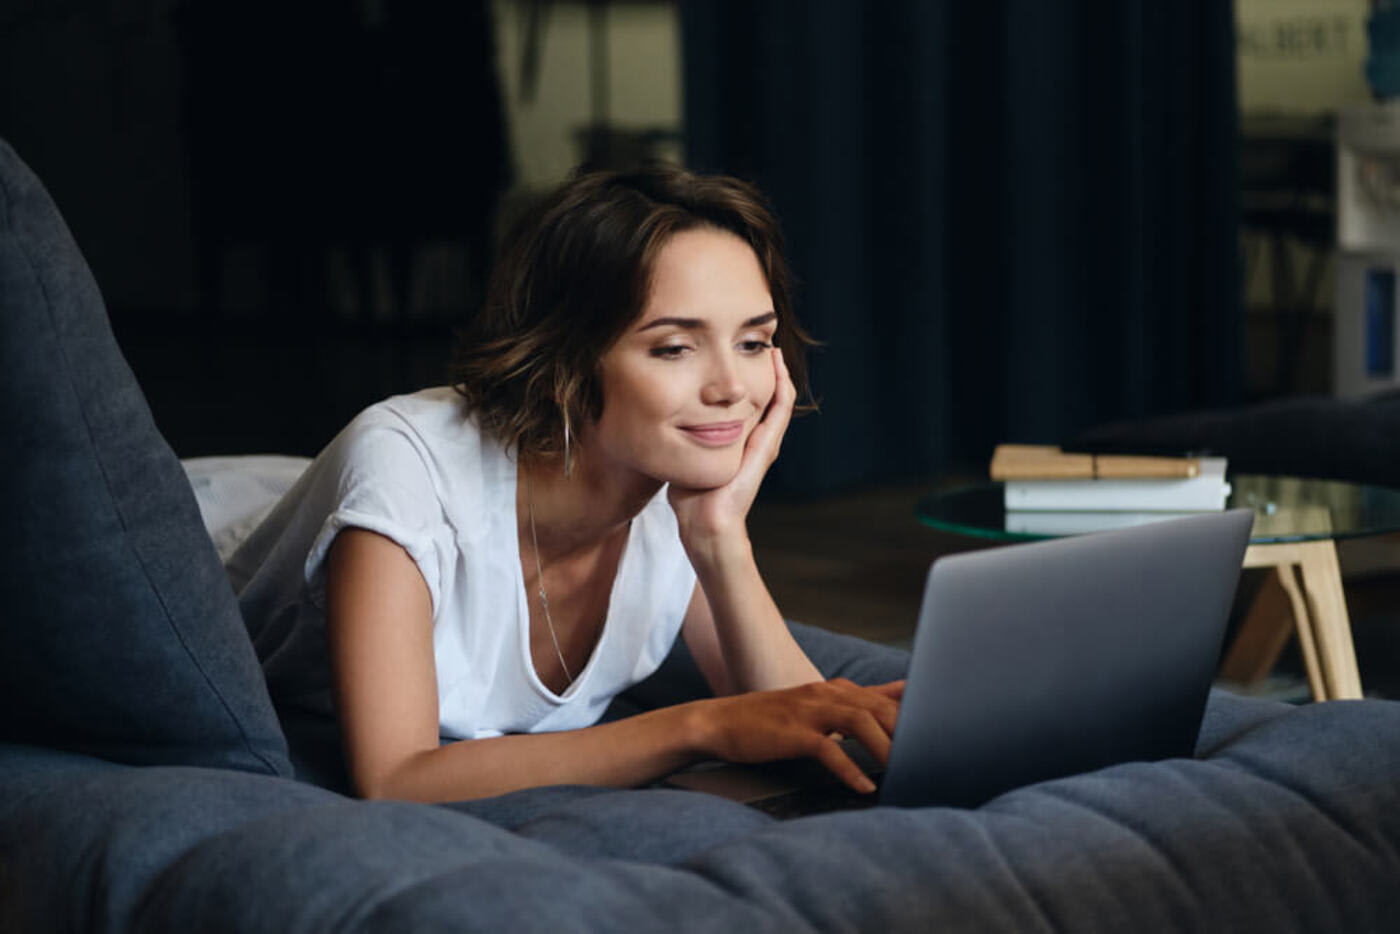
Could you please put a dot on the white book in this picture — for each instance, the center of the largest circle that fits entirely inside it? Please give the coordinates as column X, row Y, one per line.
column 1205, row 492
column 1032, row 522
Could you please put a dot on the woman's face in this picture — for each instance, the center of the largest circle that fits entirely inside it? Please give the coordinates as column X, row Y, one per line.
column 688, row 381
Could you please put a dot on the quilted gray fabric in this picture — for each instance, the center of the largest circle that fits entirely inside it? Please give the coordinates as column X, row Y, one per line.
column 1290, row 822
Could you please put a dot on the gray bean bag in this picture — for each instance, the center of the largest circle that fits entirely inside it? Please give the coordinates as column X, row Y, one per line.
column 146, row 782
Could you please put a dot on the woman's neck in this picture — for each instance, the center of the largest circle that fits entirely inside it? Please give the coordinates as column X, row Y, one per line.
column 580, row 511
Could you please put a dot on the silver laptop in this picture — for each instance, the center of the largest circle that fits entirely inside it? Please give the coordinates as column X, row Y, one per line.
column 1037, row 661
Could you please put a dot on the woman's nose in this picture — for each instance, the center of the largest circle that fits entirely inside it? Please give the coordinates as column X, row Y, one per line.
column 722, row 383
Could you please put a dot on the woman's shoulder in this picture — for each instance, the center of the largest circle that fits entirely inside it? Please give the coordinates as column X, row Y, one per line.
column 438, row 410
column 428, row 443
column 433, row 421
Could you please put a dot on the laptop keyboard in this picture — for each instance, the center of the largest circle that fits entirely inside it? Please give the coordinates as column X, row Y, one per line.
column 823, row 792
column 804, row 802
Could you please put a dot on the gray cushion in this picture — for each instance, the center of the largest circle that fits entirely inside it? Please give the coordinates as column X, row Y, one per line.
column 1291, row 822
column 1291, row 825
column 1307, row 436
column 120, row 636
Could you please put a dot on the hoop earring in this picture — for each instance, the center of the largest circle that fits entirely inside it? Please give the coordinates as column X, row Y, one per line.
column 568, row 463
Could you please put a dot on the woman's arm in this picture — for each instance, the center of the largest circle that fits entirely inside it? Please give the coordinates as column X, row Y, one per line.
column 732, row 627
column 379, row 617
column 736, row 634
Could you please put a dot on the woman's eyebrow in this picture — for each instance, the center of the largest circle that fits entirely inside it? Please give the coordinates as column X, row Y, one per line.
column 692, row 324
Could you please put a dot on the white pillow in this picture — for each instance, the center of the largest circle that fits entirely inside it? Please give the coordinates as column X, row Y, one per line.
column 236, row 493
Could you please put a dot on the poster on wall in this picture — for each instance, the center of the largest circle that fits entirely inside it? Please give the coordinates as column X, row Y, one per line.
column 1301, row 56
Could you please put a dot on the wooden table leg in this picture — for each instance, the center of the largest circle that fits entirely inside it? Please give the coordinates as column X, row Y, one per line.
column 1319, row 612
column 1322, row 582
column 1307, row 643
column 1262, row 634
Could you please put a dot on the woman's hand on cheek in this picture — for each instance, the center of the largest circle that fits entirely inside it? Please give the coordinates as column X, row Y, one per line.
column 709, row 516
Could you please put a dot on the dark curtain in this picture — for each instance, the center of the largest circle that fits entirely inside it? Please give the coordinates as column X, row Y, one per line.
column 1009, row 219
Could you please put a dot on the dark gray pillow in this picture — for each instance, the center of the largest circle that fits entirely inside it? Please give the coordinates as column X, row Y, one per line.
column 119, row 634
column 1304, row 436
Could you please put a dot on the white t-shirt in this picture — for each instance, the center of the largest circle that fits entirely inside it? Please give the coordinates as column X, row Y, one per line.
column 416, row 470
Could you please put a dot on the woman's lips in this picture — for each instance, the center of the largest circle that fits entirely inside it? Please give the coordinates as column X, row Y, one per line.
column 717, row 434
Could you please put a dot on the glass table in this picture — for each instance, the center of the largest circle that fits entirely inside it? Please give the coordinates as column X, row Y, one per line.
column 1297, row 523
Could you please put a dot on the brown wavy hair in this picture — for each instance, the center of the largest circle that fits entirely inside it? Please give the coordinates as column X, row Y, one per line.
column 574, row 273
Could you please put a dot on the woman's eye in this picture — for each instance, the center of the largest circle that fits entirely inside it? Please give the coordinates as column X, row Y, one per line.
column 670, row 351
column 755, row 346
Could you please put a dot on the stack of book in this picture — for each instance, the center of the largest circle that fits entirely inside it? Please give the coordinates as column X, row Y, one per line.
column 1050, row 492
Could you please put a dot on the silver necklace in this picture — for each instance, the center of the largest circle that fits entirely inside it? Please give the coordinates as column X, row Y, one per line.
column 539, row 577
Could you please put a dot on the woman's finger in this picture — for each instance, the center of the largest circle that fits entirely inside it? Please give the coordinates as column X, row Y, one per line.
column 784, row 384
column 831, row 755
column 881, row 700
column 784, row 392
column 867, row 729
column 894, row 689
column 765, row 440
column 768, row 434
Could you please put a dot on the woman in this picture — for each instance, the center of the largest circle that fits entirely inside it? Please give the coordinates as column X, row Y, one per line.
column 497, row 561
